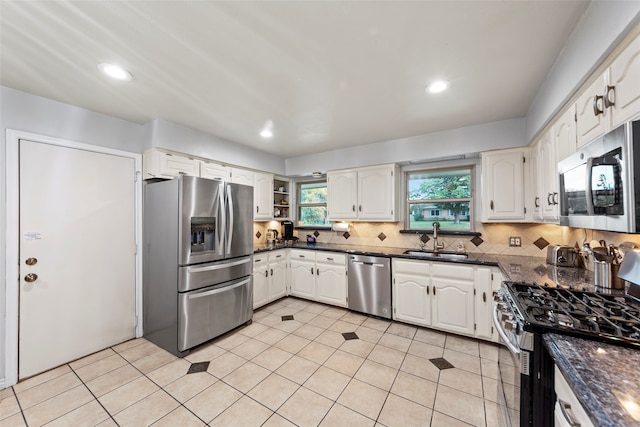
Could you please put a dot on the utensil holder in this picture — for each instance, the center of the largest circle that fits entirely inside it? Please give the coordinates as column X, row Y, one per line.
column 605, row 275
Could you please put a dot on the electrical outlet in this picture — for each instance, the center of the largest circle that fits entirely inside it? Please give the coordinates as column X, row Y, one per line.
column 514, row 242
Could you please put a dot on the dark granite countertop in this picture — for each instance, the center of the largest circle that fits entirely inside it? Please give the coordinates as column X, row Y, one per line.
column 514, row 267
column 604, row 377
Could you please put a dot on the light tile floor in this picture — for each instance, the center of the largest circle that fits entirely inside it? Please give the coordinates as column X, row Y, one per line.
column 273, row 373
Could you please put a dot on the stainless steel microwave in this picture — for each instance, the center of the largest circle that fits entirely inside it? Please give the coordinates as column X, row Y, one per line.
column 598, row 187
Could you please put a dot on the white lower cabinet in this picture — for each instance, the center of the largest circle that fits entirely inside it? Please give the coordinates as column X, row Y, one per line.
column 269, row 277
column 319, row 276
column 568, row 410
column 452, row 305
column 450, row 297
column 411, row 292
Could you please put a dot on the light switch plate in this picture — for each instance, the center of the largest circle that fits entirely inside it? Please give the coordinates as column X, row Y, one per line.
column 515, row 242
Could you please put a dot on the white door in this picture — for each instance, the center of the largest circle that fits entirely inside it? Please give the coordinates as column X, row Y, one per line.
column 77, row 254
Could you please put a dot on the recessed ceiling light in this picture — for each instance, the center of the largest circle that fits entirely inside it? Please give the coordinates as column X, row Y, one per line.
column 114, row 71
column 438, row 86
column 267, row 130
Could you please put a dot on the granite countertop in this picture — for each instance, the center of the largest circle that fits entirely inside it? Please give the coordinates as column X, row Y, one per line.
column 514, row 267
column 604, row 377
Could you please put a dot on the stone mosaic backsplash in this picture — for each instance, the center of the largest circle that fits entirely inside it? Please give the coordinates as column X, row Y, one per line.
column 493, row 239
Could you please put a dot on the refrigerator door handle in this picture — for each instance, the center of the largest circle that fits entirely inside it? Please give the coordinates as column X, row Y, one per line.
column 230, row 222
column 223, row 226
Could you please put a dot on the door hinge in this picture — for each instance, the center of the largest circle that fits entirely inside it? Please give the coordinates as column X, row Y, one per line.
column 394, row 310
column 136, row 176
column 135, row 322
column 135, row 252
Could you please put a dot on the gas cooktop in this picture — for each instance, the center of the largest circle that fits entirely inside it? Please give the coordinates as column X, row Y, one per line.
column 608, row 317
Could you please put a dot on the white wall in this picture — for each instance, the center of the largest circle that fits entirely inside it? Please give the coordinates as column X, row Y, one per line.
column 462, row 141
column 173, row 137
column 603, row 26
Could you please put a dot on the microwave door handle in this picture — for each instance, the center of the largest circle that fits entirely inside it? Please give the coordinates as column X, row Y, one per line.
column 230, row 219
column 588, row 189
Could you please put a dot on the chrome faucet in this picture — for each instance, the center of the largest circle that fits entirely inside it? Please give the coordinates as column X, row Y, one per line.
column 436, row 246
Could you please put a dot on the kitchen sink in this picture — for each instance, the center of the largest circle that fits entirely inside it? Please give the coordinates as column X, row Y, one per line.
column 431, row 254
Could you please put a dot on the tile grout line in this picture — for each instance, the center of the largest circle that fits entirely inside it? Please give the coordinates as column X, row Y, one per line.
column 15, row 395
column 91, row 392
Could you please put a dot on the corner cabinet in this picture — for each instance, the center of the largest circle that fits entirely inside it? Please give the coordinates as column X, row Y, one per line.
column 281, row 198
column 269, row 277
column 364, row 194
column 503, row 185
column 263, row 196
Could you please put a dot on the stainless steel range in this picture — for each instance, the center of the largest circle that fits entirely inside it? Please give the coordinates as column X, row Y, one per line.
column 525, row 311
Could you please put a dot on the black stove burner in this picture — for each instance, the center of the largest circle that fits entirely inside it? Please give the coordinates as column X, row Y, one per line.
column 586, row 314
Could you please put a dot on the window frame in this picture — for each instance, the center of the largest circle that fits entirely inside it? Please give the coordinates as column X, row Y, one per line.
column 300, row 205
column 433, row 170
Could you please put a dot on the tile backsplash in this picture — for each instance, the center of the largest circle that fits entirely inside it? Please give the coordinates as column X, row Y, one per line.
column 494, row 238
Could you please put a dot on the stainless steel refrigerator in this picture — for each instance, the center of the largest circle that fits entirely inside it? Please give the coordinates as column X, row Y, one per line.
column 197, row 261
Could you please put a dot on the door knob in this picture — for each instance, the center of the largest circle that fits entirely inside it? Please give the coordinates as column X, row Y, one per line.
column 30, row 278
column 31, row 261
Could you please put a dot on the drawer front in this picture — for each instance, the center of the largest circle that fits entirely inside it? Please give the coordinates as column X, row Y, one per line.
column 454, row 271
column 411, row 267
column 277, row 256
column 331, row 258
column 301, row 254
column 260, row 260
column 210, row 312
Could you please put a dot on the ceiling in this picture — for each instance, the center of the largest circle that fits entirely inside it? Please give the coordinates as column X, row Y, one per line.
column 327, row 74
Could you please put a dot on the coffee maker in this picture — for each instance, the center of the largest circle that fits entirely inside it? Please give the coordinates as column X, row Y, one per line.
column 287, row 231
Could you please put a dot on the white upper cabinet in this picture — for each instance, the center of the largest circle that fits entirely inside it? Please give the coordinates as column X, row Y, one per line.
column 564, row 134
column 534, row 187
column 211, row 170
column 613, row 98
column 624, row 75
column 242, row 176
column 342, row 195
column 548, row 177
column 503, row 185
column 367, row 194
column 590, row 111
column 263, row 196
column 159, row 164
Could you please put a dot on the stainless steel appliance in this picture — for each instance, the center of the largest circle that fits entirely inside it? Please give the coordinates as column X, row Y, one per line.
column 564, row 256
column 198, row 247
column 369, row 285
column 598, row 184
column 523, row 312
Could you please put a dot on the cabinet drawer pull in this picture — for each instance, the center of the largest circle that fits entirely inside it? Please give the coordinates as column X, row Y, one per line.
column 608, row 102
column 565, row 408
column 329, row 259
column 278, row 256
column 597, row 110
column 257, row 260
column 301, row 256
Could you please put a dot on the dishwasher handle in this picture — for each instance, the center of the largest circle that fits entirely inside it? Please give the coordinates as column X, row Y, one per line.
column 373, row 264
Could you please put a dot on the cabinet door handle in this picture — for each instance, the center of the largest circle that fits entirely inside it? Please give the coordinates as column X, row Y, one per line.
column 427, row 290
column 555, row 198
column 353, row 208
column 608, row 102
column 266, row 273
column 257, row 209
column 484, row 297
column 317, row 271
column 565, row 408
column 360, row 208
column 272, row 271
column 434, row 291
column 549, row 199
column 312, row 271
column 491, row 205
column 597, row 110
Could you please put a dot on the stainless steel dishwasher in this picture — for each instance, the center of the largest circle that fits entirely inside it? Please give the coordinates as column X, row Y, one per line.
column 370, row 285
